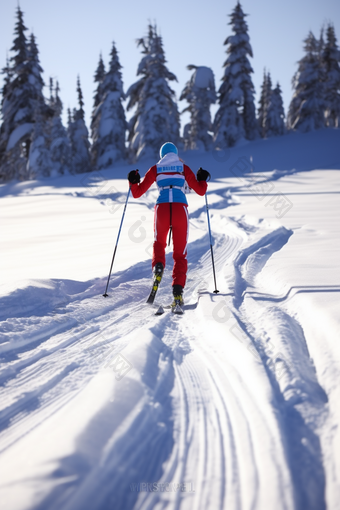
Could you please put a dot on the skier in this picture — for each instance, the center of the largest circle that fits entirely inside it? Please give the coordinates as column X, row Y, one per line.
column 171, row 213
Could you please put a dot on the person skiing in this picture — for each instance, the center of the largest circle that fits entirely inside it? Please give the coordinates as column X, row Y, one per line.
column 171, row 213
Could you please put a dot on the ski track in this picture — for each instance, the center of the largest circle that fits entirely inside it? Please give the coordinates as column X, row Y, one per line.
column 200, row 420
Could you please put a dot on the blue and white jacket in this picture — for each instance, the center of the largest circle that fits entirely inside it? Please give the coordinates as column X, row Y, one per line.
column 171, row 180
column 171, row 176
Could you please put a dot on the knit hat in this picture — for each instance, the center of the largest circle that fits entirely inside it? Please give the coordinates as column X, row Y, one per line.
column 166, row 148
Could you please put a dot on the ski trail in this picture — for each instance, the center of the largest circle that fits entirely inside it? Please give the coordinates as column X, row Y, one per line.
column 291, row 373
column 243, row 422
column 57, row 359
column 252, row 259
column 214, row 423
column 202, row 407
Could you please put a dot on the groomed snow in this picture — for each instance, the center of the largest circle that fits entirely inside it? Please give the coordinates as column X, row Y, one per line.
column 234, row 405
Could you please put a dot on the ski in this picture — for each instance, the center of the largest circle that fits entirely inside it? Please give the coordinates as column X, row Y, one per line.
column 156, row 281
column 178, row 309
column 154, row 289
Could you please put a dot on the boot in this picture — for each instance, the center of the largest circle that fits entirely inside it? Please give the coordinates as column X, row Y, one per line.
column 177, row 291
column 158, row 269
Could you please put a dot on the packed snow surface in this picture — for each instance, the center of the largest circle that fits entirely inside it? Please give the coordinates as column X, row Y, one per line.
column 235, row 404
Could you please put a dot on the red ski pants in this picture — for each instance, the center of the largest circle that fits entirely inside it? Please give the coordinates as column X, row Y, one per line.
column 174, row 214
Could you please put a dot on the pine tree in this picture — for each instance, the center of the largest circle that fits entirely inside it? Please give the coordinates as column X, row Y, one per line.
column 330, row 60
column 7, row 80
column 39, row 162
column 60, row 147
column 54, row 102
column 21, row 94
column 267, row 101
column 79, row 137
column 306, row 110
column 273, row 123
column 58, row 105
column 156, row 119
column 70, row 134
column 200, row 94
column 262, row 102
column 236, row 117
column 266, row 90
column 35, row 70
column 108, row 121
column 98, row 78
column 6, row 71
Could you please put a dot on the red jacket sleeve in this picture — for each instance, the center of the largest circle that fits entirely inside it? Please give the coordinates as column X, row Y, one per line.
column 199, row 186
column 138, row 190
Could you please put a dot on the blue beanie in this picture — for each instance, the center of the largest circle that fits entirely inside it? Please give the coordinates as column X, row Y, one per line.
column 166, row 148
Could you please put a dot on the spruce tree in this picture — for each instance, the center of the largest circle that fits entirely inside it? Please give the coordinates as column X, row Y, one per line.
column 21, row 95
column 108, row 121
column 262, row 102
column 330, row 60
column 35, row 70
column 97, row 99
column 39, row 162
column 55, row 104
column 6, row 71
column 266, row 90
column 79, row 137
column 267, row 100
column 306, row 110
column 200, row 94
column 70, row 134
column 273, row 123
column 156, row 118
column 98, row 78
column 60, row 147
column 236, row 117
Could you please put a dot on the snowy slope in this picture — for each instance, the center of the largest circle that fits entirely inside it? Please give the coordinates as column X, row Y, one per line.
column 233, row 405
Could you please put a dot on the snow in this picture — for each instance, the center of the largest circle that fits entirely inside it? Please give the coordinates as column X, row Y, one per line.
column 204, row 77
column 17, row 134
column 234, row 404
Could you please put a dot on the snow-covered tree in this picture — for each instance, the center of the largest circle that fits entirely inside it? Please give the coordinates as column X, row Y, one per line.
column 60, row 146
column 156, row 119
column 6, row 71
column 266, row 89
column 79, row 137
column 331, row 60
column 306, row 110
column 109, row 124
column 270, row 112
column 39, row 162
column 98, row 78
column 22, row 92
column 274, row 116
column 236, row 117
column 200, row 94
column 55, row 103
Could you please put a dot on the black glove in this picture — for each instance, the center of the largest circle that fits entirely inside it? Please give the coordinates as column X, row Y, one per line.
column 203, row 175
column 134, row 177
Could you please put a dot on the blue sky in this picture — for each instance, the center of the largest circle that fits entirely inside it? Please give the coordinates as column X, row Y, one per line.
column 72, row 33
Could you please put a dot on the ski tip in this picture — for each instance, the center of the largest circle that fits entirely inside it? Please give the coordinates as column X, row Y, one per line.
column 178, row 310
column 160, row 310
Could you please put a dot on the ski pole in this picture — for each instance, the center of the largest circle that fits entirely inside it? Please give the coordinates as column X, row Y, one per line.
column 211, row 248
column 114, row 253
